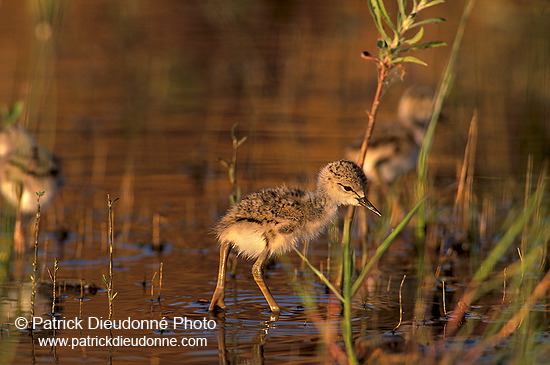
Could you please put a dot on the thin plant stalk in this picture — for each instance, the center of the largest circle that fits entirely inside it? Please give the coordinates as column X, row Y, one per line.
column 153, row 287
column 464, row 190
column 53, row 278
column 528, row 178
column 35, row 260
column 155, row 230
column 444, row 87
column 231, row 166
column 160, row 281
column 444, row 297
column 81, row 299
column 109, row 282
column 422, row 166
column 383, row 71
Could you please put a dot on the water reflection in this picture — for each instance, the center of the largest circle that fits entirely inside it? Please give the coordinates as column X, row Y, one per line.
column 257, row 350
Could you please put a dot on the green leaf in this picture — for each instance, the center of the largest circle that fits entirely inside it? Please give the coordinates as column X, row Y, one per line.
column 427, row 21
column 401, row 15
column 10, row 116
column 435, row 2
column 234, row 132
column 417, row 37
column 320, row 275
column 426, row 45
column 384, row 14
column 375, row 12
column 383, row 247
column 224, row 163
column 409, row 59
column 241, row 141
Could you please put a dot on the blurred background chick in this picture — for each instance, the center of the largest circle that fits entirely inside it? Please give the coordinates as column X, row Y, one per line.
column 25, row 170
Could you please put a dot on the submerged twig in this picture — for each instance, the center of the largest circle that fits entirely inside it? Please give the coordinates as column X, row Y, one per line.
column 400, row 303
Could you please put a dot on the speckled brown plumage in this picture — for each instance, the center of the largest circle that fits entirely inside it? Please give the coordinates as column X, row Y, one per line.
column 272, row 221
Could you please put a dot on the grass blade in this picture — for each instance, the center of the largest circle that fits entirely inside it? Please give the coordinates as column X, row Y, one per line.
column 320, row 275
column 383, row 248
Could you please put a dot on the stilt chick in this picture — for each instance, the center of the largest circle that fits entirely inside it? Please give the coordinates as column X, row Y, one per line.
column 272, row 221
column 25, row 169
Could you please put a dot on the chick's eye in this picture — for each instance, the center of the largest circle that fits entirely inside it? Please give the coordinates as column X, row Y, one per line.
column 346, row 188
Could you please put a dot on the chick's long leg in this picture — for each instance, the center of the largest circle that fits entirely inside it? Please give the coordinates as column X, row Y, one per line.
column 258, row 274
column 219, row 293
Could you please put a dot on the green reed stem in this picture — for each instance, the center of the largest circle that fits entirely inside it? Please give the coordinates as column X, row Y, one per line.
column 320, row 275
column 349, row 288
column 347, row 272
column 421, row 188
column 383, row 248
column 448, row 74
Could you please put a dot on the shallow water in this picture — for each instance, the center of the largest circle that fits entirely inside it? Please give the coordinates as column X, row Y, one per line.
column 188, row 281
column 138, row 98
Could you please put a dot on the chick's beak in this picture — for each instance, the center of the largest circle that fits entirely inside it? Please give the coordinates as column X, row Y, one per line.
column 364, row 202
